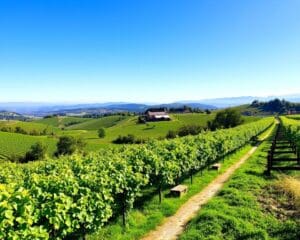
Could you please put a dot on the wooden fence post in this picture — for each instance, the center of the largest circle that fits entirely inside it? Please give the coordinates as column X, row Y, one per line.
column 269, row 164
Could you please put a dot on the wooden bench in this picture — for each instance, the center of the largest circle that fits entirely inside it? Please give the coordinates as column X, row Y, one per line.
column 179, row 190
column 216, row 166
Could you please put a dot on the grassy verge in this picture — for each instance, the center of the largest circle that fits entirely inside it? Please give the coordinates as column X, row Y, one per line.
column 146, row 217
column 248, row 207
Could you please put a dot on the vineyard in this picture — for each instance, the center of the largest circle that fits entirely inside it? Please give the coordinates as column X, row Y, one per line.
column 251, row 205
column 292, row 130
column 284, row 153
column 150, row 120
column 73, row 196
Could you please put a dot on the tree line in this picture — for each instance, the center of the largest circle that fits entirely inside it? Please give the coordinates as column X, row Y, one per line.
column 276, row 106
column 21, row 130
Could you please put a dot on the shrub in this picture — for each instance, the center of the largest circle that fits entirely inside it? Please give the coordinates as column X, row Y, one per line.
column 34, row 132
column 290, row 187
column 36, row 152
column 141, row 120
column 171, row 134
column 129, row 139
column 67, row 124
column 207, row 111
column 101, row 133
column 20, row 130
column 190, row 130
column 68, row 145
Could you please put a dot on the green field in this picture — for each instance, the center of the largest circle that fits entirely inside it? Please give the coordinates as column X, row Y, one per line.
column 28, row 126
column 151, row 129
column 61, row 121
column 18, row 144
column 95, row 124
column 87, row 129
column 295, row 117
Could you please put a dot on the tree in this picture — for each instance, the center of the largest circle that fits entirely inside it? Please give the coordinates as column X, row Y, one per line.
column 142, row 119
column 68, row 145
column 101, row 133
column 226, row 119
column 276, row 106
column 36, row 152
column 207, row 111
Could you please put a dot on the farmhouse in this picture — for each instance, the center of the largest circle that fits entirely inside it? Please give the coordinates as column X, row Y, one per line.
column 293, row 112
column 152, row 115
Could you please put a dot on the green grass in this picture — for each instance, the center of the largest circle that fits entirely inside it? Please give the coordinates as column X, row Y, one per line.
column 95, row 124
column 248, row 119
column 146, row 131
column 193, row 118
column 19, row 144
column 295, row 117
column 61, row 121
column 28, row 126
column 237, row 212
column 148, row 215
column 117, row 125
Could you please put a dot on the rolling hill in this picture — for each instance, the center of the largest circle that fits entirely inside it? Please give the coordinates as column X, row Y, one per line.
column 28, row 126
column 13, row 144
column 95, row 124
column 62, row 121
column 87, row 128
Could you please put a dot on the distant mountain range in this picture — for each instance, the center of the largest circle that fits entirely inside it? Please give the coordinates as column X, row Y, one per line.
column 42, row 109
column 11, row 115
column 236, row 101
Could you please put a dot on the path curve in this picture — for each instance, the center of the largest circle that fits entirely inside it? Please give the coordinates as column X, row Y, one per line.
column 173, row 226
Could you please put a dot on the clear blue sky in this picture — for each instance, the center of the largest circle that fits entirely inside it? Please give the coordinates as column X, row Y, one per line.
column 147, row 50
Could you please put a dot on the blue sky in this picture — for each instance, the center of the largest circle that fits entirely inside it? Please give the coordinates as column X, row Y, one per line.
column 147, row 50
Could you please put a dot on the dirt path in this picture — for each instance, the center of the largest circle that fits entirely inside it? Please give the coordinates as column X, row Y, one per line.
column 173, row 226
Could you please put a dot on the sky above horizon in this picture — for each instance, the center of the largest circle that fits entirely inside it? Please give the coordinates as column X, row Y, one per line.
column 147, row 50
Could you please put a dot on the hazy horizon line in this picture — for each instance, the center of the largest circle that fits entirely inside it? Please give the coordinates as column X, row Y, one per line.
column 146, row 102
